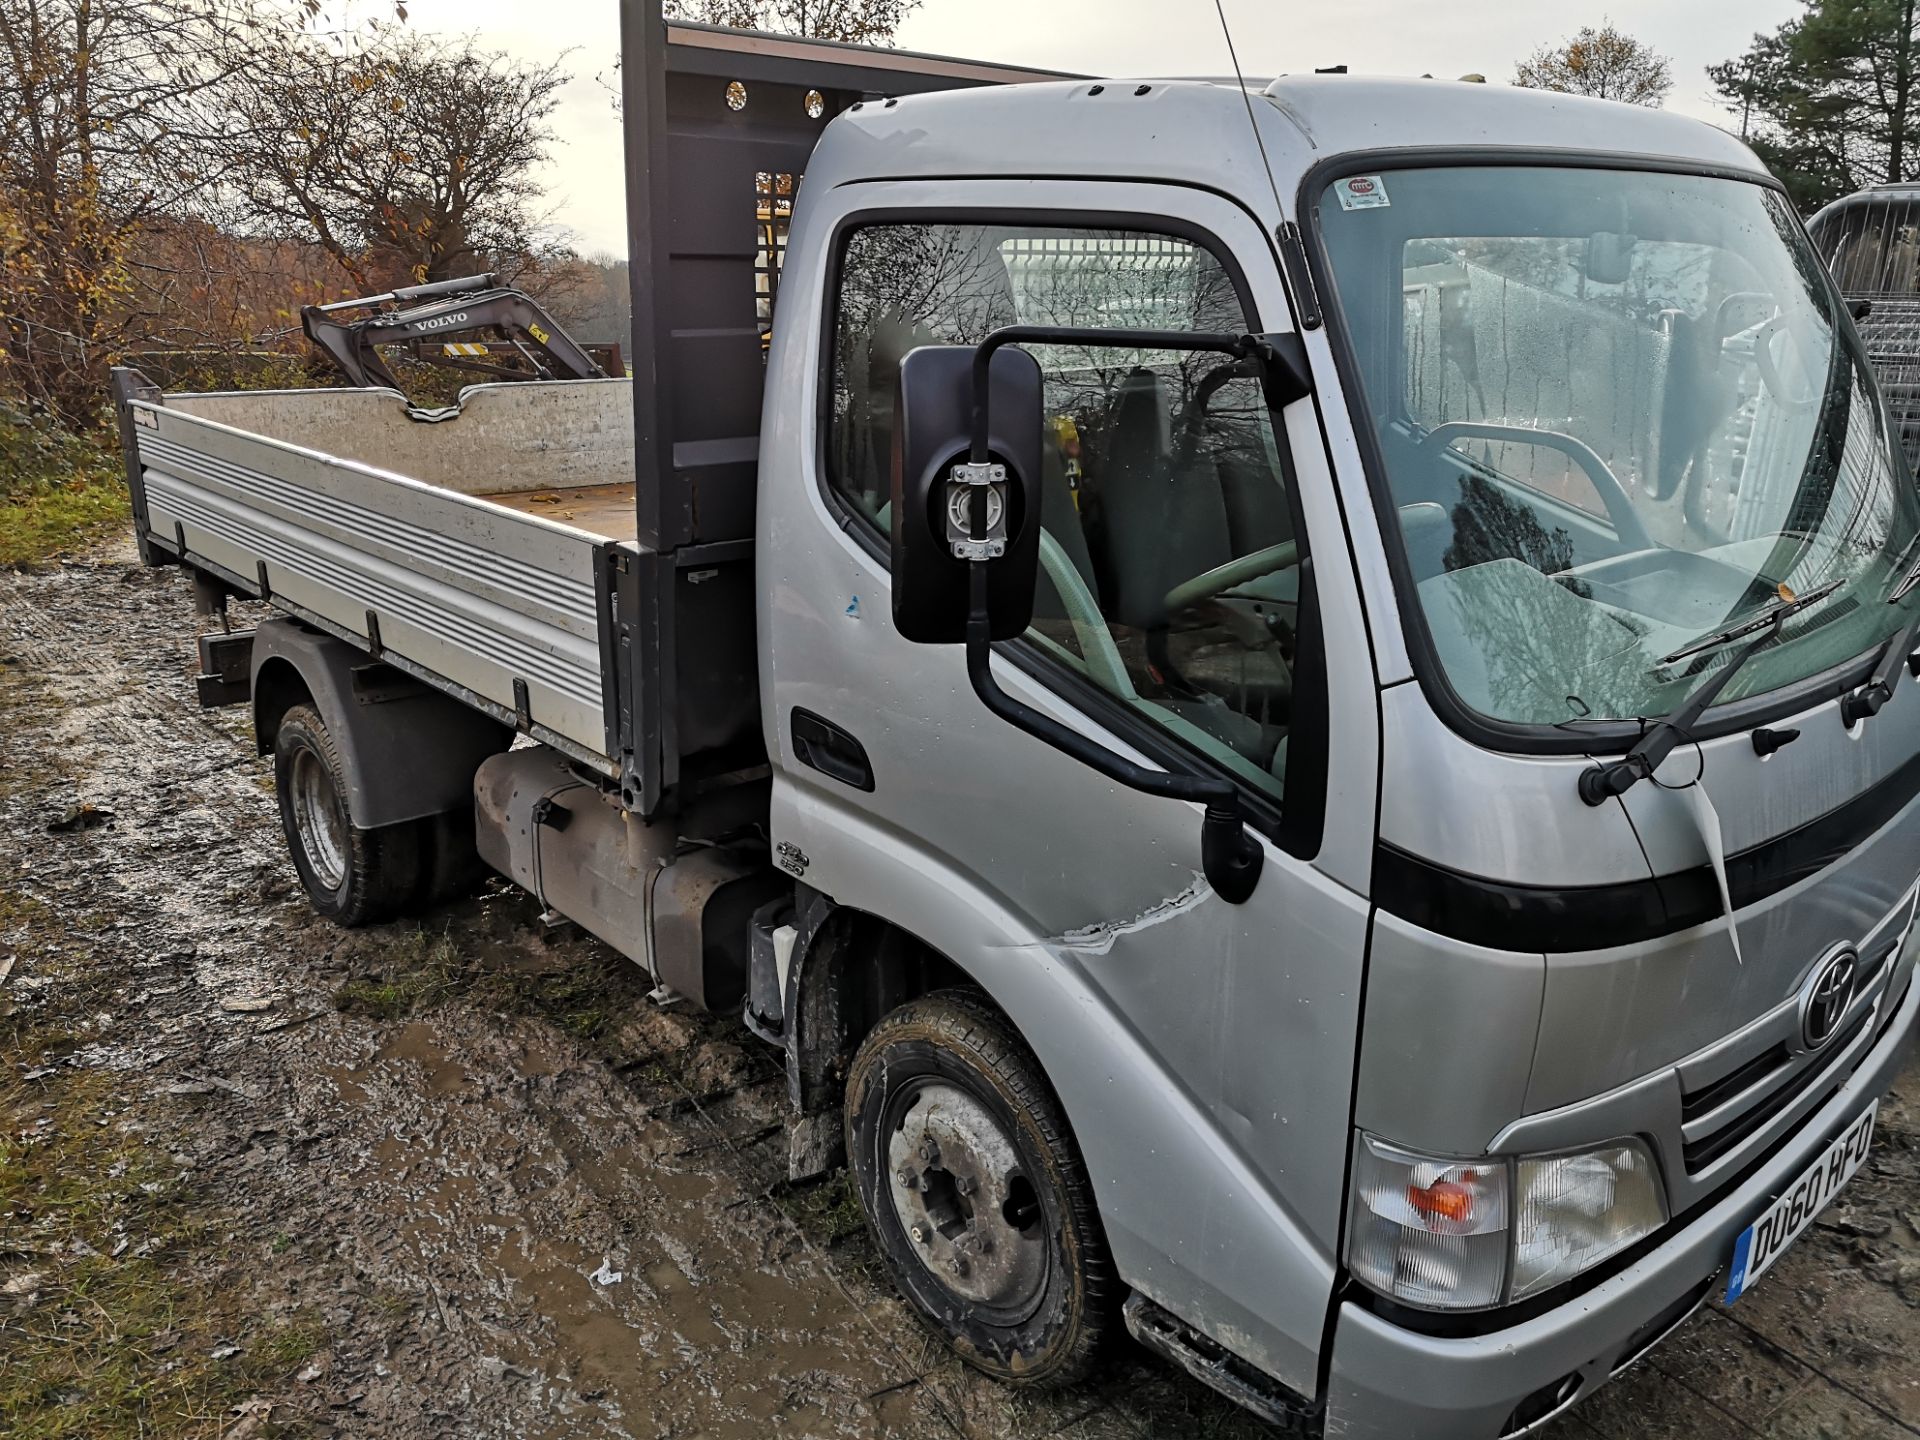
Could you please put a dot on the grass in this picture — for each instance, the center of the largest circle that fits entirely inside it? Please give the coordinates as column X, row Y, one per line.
column 421, row 967
column 108, row 1337
column 415, row 969
column 112, row 1308
column 57, row 491
column 829, row 1211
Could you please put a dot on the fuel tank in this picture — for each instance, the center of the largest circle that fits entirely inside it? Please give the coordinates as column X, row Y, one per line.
column 678, row 904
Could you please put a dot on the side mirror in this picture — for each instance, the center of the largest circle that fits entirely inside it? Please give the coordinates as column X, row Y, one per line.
column 933, row 507
column 966, row 537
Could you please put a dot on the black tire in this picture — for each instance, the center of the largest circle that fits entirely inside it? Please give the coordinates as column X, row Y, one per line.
column 352, row 876
column 952, row 1064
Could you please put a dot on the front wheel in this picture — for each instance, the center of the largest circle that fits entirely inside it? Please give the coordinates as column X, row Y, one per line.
column 975, row 1192
column 352, row 876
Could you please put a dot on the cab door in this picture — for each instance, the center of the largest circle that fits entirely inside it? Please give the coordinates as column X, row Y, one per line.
column 1203, row 1050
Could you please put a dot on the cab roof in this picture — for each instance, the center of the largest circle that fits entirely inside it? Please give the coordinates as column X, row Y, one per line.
column 1197, row 132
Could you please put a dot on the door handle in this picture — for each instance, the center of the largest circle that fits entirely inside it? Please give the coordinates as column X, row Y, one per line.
column 822, row 745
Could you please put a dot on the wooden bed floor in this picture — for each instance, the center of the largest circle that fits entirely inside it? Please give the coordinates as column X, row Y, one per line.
column 603, row 509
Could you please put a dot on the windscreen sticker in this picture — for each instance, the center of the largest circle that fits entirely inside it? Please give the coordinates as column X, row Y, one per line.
column 1362, row 192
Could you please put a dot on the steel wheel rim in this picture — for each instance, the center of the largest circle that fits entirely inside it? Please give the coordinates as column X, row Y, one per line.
column 318, row 817
column 960, row 1190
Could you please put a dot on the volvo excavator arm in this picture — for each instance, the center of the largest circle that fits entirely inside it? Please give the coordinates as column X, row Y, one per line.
column 450, row 310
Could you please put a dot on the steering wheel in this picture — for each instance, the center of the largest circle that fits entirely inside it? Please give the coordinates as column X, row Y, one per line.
column 1204, row 586
column 1626, row 520
column 1419, row 517
column 1769, row 368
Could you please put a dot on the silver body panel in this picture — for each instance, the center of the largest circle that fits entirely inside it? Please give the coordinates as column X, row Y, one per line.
column 1423, row 993
column 1609, row 1016
column 470, row 592
column 1388, row 1383
column 1208, row 1055
column 1190, row 1040
column 1512, row 818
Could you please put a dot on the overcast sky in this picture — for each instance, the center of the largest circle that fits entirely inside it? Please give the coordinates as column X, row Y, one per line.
column 1122, row 38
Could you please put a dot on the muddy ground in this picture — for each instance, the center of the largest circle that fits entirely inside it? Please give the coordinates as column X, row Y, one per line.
column 459, row 1177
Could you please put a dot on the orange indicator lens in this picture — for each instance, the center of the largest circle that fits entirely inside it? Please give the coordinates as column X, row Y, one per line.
column 1445, row 1199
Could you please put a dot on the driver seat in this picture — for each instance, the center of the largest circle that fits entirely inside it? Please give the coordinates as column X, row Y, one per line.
column 1166, row 521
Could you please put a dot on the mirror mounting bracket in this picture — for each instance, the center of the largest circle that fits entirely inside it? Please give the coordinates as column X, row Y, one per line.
column 1284, row 372
column 970, row 484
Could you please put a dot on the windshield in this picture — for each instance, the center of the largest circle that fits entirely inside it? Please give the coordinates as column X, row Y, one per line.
column 1872, row 246
column 1617, row 415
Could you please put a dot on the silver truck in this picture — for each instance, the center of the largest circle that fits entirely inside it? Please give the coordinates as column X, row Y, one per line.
column 1294, row 704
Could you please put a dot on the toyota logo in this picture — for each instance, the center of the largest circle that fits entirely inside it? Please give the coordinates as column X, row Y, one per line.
column 1824, row 1003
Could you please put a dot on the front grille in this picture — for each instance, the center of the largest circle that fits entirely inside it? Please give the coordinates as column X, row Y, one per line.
column 1756, row 1071
column 1871, row 962
column 1892, row 1008
column 1699, row 1154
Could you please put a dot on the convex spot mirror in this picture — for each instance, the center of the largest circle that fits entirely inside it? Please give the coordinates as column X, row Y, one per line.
column 933, row 428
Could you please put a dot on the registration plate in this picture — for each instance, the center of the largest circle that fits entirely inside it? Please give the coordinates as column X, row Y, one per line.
column 1767, row 1239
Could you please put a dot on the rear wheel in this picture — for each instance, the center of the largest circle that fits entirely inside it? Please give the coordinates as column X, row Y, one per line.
column 352, row 876
column 975, row 1191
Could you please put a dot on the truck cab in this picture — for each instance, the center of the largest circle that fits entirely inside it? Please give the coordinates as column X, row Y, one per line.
column 1467, row 1102
column 1293, row 703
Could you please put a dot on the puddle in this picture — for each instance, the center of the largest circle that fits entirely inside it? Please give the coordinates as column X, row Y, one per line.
column 415, row 1042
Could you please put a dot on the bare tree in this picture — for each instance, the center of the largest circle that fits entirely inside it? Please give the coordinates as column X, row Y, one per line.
column 860, row 22
column 590, row 296
column 113, row 122
column 402, row 161
column 106, row 107
column 1602, row 62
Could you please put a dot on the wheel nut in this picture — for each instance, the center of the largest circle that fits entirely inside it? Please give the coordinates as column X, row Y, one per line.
column 919, row 1235
column 960, row 1267
column 964, row 1184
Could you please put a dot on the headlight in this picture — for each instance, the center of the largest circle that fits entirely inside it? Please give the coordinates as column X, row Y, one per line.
column 1576, row 1210
column 1447, row 1234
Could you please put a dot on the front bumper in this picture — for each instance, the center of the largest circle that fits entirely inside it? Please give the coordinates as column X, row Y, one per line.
column 1389, row 1383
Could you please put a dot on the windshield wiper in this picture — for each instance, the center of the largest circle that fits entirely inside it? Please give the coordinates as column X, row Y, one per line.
column 1788, row 604
column 1867, row 701
column 1907, row 585
column 1603, row 782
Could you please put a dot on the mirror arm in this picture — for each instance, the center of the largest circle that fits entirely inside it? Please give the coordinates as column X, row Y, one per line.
column 1243, row 346
column 1230, row 858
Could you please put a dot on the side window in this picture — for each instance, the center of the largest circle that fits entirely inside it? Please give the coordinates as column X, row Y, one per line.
column 1169, row 569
